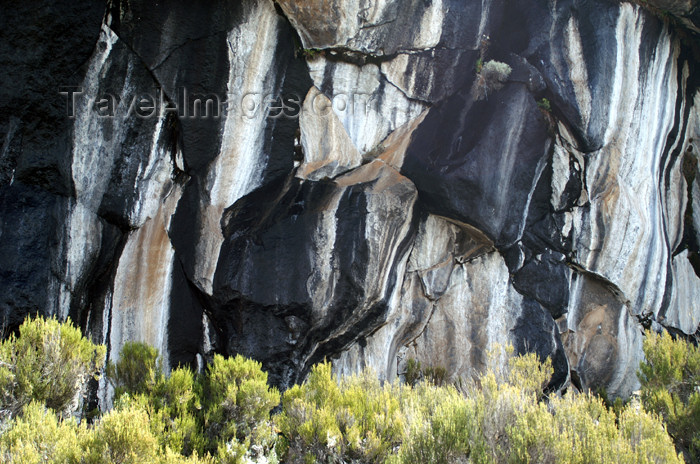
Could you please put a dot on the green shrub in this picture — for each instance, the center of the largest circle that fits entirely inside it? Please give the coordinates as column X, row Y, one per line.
column 414, row 372
column 545, row 105
column 38, row 436
column 236, row 408
column 49, row 362
column 311, row 53
column 123, row 436
column 670, row 378
column 133, row 432
column 177, row 405
column 138, row 370
column 502, row 417
column 224, row 415
column 172, row 402
column 492, row 77
column 340, row 420
column 438, row 425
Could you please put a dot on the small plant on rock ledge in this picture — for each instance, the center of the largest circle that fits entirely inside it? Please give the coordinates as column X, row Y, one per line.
column 544, row 105
column 311, row 53
column 490, row 78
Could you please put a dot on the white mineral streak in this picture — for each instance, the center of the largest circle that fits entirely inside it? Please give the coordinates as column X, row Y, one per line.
column 625, row 238
column 629, row 339
column 138, row 306
column 105, row 390
column 328, row 150
column 434, row 244
column 140, row 300
column 152, row 180
column 560, row 175
column 321, row 283
column 472, row 308
column 674, row 193
column 389, row 203
column 375, row 19
column 368, row 107
column 402, row 72
column 578, row 73
column 389, row 196
column 430, row 30
column 383, row 233
column 432, row 249
column 477, row 312
column 142, row 285
column 508, row 159
column 565, row 158
column 684, row 310
column 541, row 164
column 237, row 169
column 93, row 157
column 694, row 148
column 483, row 23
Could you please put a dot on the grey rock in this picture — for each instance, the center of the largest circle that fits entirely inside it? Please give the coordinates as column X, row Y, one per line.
column 334, row 252
column 328, row 150
column 557, row 213
column 601, row 338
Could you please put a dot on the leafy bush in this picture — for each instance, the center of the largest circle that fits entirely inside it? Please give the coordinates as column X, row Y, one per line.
column 48, row 362
column 353, row 419
column 545, row 105
column 138, row 369
column 123, row 436
column 502, row 417
column 172, row 403
column 223, row 415
column 130, row 434
column 38, row 436
column 670, row 378
column 490, row 78
column 237, row 407
column 177, row 405
column 438, row 425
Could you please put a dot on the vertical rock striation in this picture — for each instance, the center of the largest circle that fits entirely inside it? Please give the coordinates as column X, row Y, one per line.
column 293, row 180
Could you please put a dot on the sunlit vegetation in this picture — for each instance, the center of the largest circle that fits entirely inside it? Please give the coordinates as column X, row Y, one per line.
column 229, row 413
column 670, row 379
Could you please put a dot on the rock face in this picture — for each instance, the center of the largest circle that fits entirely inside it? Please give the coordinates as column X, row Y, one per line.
column 295, row 180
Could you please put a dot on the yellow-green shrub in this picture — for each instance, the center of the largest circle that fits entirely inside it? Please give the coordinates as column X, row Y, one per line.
column 123, row 436
column 49, row 362
column 237, row 403
column 500, row 417
column 38, row 436
column 670, row 378
column 176, row 405
column 439, row 421
column 133, row 433
column 138, row 369
column 336, row 420
column 171, row 402
column 503, row 418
